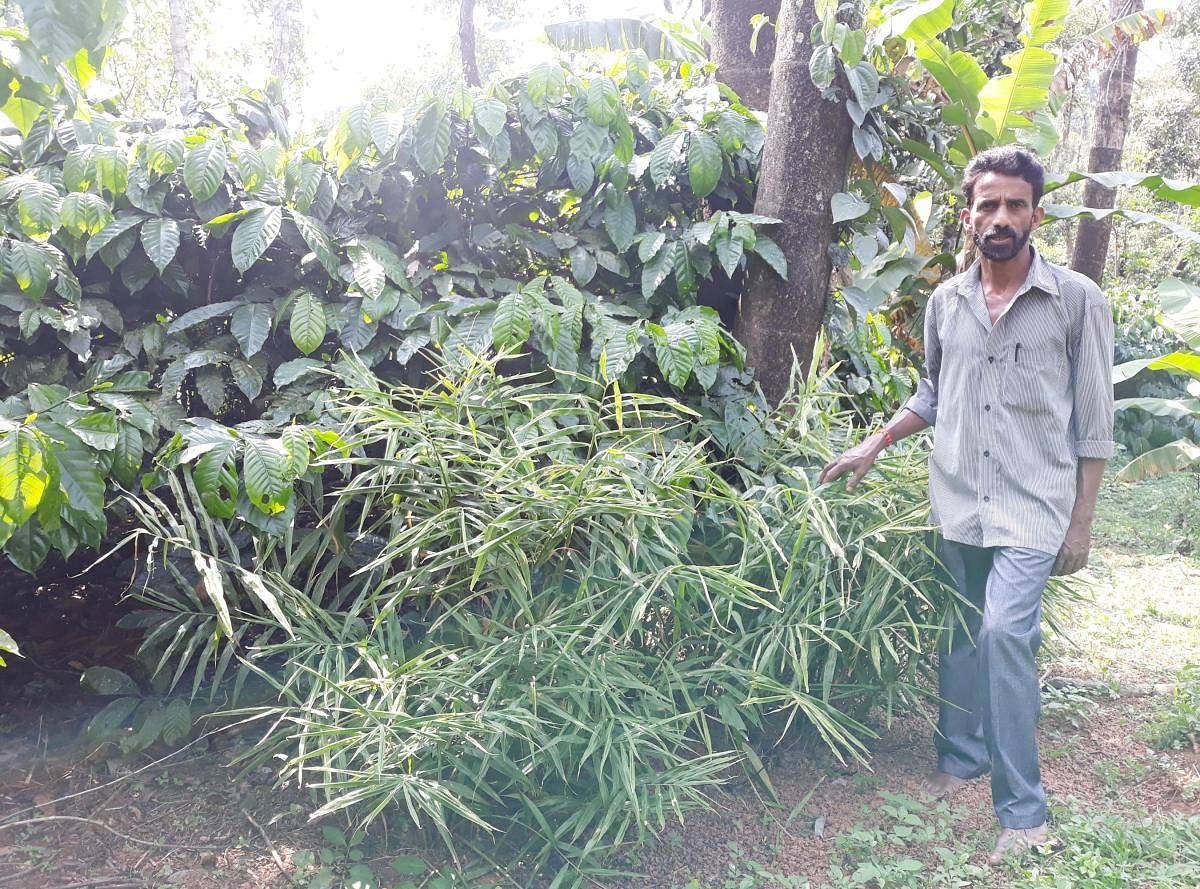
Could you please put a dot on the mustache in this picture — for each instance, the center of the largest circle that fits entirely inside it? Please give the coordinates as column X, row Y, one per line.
column 1001, row 232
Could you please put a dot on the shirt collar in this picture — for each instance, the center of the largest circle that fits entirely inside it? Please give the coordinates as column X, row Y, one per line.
column 1041, row 276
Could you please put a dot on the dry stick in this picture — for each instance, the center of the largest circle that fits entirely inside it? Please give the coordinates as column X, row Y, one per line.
column 108, row 883
column 271, row 846
column 158, row 763
column 116, row 833
column 8, row 878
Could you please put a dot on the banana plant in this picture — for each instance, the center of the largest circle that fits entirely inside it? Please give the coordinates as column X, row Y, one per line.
column 1180, row 301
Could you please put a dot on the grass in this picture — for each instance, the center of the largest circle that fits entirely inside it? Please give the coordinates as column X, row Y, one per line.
column 1142, row 625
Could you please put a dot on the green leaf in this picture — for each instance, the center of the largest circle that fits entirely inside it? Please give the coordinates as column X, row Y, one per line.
column 250, row 325
column 673, row 349
column 729, row 252
column 431, row 137
column 864, row 83
column 105, row 724
column 204, row 168
column 1176, row 362
column 254, row 235
column 511, row 325
column 705, row 163
column 164, row 152
column 290, row 371
column 79, row 168
column 210, row 385
column 603, row 100
column 665, row 157
column 38, row 208
column 1003, row 100
column 22, row 112
column 1180, row 301
column 318, row 242
column 30, row 266
column 160, row 240
column 97, row 430
column 308, row 325
column 386, row 128
column 120, row 224
column 200, row 314
column 822, row 66
column 79, row 476
column 108, row 682
column 772, row 254
column 620, row 222
column 847, row 206
column 547, row 82
column 84, row 213
column 112, row 170
column 491, row 115
column 264, row 465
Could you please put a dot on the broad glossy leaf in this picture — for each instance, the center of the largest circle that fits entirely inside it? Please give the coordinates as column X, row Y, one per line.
column 200, row 314
column 160, row 240
column 264, row 469
column 511, row 325
column 84, row 213
column 308, row 324
column 38, row 208
column 490, row 115
column 603, row 100
column 1174, row 457
column 1180, row 301
column 30, row 266
column 121, row 223
column 164, row 152
column 705, row 163
column 772, row 254
column 250, row 325
column 254, row 235
column 847, row 206
column 431, row 137
column 620, row 221
column 665, row 157
column 204, row 167
column 822, row 66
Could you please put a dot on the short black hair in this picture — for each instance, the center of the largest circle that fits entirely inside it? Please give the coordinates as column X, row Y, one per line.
column 1007, row 160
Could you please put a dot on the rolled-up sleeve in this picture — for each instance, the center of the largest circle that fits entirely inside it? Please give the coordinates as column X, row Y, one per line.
column 924, row 402
column 1091, row 378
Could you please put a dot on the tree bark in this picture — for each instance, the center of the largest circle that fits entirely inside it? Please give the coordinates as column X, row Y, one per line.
column 281, row 22
column 804, row 165
column 749, row 73
column 1109, row 125
column 466, row 42
column 185, row 78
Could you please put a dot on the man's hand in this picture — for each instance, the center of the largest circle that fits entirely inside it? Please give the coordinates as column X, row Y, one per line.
column 857, row 460
column 1073, row 554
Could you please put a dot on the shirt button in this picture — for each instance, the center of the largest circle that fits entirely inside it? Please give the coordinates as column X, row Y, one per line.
column 987, row 453
column 987, row 499
column 987, row 407
column 990, row 359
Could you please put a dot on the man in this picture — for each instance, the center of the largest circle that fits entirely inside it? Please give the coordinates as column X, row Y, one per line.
column 1018, row 358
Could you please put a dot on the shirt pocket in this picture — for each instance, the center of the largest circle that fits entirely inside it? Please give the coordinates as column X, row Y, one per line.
column 1032, row 383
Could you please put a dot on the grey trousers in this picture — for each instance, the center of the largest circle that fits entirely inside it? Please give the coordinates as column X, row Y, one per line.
column 988, row 679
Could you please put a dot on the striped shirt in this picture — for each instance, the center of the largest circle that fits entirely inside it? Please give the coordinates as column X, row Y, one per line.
column 1014, row 404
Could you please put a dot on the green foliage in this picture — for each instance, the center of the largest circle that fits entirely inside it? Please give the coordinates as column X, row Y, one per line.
column 547, row 614
column 133, row 721
column 1180, row 302
column 1176, row 723
column 209, row 273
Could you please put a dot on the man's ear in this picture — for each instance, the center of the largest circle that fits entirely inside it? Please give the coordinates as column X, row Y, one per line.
column 1039, row 214
column 964, row 216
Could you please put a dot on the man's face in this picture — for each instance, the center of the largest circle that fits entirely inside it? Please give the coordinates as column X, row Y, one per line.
column 1002, row 217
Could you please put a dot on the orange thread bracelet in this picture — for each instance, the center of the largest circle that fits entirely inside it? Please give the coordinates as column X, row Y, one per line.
column 887, row 438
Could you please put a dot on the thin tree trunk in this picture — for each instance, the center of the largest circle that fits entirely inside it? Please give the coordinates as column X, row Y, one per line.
column 281, row 22
column 749, row 73
column 1109, row 125
column 804, row 165
column 466, row 42
column 185, row 79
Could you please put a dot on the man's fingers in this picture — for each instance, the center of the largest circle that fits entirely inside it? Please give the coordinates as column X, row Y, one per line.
column 857, row 476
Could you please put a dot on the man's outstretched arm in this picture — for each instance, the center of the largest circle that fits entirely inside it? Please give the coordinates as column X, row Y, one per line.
column 860, row 458
column 1073, row 554
column 918, row 413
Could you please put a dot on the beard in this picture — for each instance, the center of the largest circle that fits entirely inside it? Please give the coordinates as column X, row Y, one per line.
column 1001, row 251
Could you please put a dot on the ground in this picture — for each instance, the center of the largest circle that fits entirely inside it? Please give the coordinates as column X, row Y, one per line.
column 1127, row 813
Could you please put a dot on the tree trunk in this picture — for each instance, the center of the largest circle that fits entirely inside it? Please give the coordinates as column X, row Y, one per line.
column 804, row 165
column 1109, row 124
column 466, row 42
column 749, row 73
column 281, row 22
column 185, row 78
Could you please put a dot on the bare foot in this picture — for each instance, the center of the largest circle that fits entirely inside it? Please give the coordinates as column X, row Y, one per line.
column 941, row 785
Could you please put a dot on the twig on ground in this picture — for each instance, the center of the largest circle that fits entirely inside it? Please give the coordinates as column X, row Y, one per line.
column 8, row 878
column 108, row 883
column 270, row 845
column 30, row 821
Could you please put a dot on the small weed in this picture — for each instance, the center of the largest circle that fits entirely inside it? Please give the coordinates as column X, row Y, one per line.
column 340, row 865
column 1117, row 852
column 1176, row 723
column 1118, row 774
column 1069, row 704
